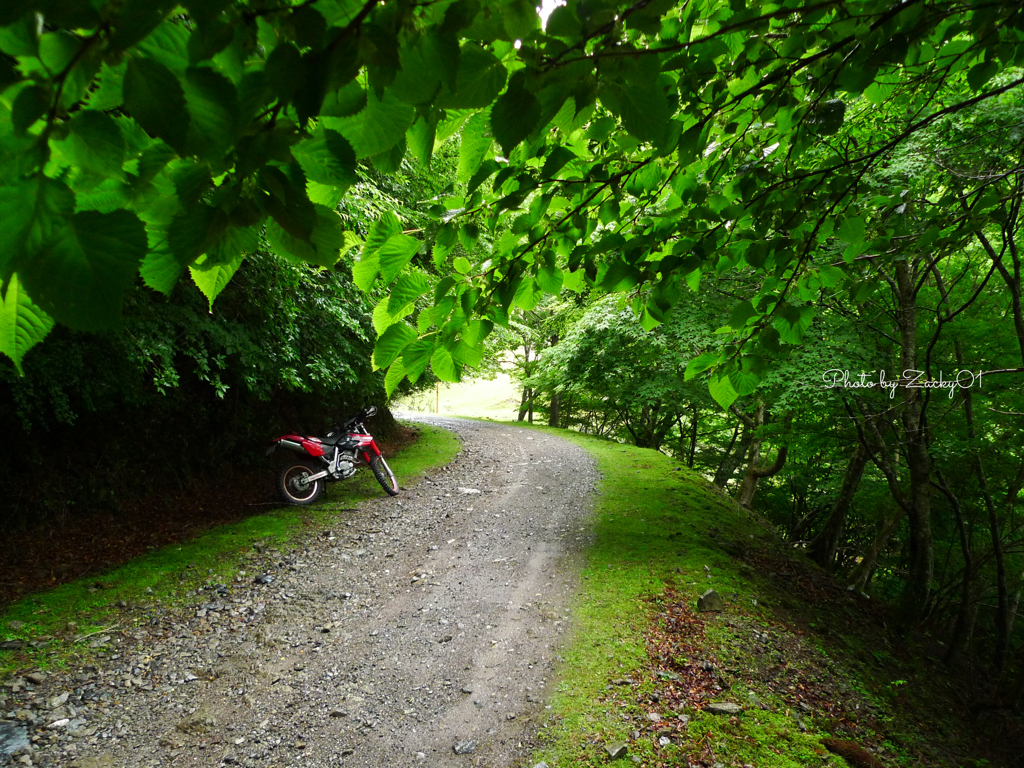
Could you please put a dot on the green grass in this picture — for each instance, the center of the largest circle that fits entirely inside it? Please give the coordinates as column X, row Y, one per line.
column 496, row 398
column 168, row 574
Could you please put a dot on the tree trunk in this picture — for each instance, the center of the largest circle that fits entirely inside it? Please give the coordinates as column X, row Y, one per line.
column 754, row 473
column 693, row 437
column 917, row 593
column 861, row 573
column 553, row 413
column 825, row 545
column 734, row 459
column 527, row 399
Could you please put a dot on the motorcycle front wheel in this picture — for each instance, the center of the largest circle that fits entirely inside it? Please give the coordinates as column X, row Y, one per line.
column 384, row 475
column 294, row 486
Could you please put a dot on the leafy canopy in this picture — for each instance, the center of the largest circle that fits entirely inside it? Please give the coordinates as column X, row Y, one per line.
column 624, row 143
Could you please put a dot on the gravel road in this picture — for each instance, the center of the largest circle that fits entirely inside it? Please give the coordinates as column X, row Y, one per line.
column 421, row 630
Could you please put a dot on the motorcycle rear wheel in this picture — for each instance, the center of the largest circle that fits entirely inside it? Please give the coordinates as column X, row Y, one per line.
column 293, row 486
column 384, row 475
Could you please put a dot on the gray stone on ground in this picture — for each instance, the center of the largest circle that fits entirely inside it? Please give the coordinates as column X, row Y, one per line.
column 615, row 751
column 102, row 761
column 710, row 601
column 464, row 747
column 724, row 708
column 12, row 737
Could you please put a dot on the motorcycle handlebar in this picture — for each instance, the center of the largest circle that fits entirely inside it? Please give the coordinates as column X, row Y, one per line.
column 366, row 413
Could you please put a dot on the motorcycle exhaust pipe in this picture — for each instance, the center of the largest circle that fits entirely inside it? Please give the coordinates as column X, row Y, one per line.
column 291, row 445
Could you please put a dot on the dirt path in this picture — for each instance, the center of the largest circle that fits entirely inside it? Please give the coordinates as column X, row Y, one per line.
column 420, row 626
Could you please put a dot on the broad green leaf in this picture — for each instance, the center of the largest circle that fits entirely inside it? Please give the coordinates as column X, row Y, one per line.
column 213, row 107
column 394, row 376
column 701, row 363
column 156, row 99
column 161, row 269
column 80, row 273
column 324, row 246
column 38, row 205
column 981, row 73
column 383, row 228
column 481, row 77
column 443, row 365
column 408, row 288
column 420, row 139
column 420, row 76
column 22, row 323
column 395, row 254
column 722, row 391
column 740, row 314
column 378, row 127
column 416, row 358
column 556, row 160
column 514, row 115
column 851, row 230
column 550, row 279
column 468, row 355
column 792, row 322
column 365, row 271
column 391, row 343
column 213, row 279
column 744, row 382
column 476, row 140
column 642, row 107
column 96, row 143
column 383, row 319
column 327, row 158
column 476, row 331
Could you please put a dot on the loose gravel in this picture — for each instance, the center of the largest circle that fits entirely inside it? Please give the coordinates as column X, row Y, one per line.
column 421, row 630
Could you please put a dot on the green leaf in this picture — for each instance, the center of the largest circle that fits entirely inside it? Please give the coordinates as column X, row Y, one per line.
column 420, row 139
column 420, row 76
column 156, row 99
column 740, row 314
column 365, row 271
column 416, row 358
column 468, row 355
column 96, row 143
column 22, row 323
column 160, row 270
column 851, row 230
column 325, row 243
column 408, row 288
column 550, row 279
column 395, row 254
column 792, row 322
column 476, row 140
column 30, row 104
column 701, row 363
column 213, row 106
column 982, row 73
column 213, row 279
column 480, row 78
column 327, row 158
column 394, row 376
column 514, row 115
column 443, row 365
column 641, row 105
column 378, row 127
column 36, row 207
column 391, row 344
column 722, row 391
column 81, row 272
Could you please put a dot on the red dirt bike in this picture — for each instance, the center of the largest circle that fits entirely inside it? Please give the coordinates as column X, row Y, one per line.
column 334, row 457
